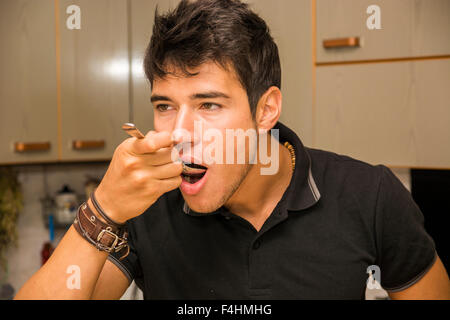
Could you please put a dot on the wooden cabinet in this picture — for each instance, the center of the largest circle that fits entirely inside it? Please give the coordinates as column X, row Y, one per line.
column 391, row 113
column 27, row 81
column 64, row 92
column 409, row 28
column 69, row 91
column 387, row 100
column 94, row 79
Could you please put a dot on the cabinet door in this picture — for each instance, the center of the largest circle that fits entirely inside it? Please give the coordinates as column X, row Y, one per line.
column 28, row 113
column 396, row 114
column 409, row 28
column 94, row 79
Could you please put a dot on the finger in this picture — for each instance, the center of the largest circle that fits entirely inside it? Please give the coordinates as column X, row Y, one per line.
column 152, row 142
column 160, row 157
column 167, row 171
column 170, row 184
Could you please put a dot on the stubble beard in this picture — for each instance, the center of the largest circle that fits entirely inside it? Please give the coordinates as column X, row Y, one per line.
column 227, row 194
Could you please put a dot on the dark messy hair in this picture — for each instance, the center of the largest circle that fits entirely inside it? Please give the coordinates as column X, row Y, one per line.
column 226, row 32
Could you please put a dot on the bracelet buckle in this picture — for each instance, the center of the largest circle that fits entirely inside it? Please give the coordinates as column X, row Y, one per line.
column 113, row 245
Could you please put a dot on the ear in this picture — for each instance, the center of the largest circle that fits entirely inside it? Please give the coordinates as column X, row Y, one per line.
column 269, row 109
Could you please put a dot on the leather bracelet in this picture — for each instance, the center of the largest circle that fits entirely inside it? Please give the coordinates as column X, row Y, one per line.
column 102, row 213
column 103, row 236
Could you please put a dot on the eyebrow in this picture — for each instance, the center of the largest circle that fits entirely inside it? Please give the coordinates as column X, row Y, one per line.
column 209, row 95
column 159, row 98
column 202, row 95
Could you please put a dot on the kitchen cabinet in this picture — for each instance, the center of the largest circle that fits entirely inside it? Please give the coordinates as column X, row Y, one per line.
column 64, row 92
column 394, row 113
column 94, row 79
column 68, row 91
column 28, row 109
column 409, row 28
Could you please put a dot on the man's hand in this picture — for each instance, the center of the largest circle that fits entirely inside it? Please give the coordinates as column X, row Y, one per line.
column 140, row 171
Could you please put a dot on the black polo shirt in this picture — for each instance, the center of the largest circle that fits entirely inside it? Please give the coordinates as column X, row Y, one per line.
column 338, row 217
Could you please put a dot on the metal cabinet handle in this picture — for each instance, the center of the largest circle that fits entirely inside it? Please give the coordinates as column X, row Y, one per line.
column 87, row 144
column 341, row 43
column 31, row 146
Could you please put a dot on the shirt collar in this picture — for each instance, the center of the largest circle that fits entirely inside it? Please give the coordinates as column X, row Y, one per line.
column 302, row 191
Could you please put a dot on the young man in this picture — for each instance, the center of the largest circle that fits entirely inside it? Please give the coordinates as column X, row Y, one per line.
column 309, row 230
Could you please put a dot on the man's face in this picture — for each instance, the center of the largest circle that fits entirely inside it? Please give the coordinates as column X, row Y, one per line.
column 215, row 99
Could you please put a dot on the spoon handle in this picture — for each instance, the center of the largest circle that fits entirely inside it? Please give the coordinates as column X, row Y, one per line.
column 131, row 129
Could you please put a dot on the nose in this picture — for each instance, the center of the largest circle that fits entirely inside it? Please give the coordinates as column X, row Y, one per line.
column 187, row 134
column 184, row 126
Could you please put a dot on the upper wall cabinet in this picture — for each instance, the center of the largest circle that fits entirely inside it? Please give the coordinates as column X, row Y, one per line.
column 64, row 79
column 347, row 29
column 28, row 117
column 94, row 77
column 393, row 113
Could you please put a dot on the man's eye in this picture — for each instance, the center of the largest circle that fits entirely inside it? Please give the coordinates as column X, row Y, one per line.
column 210, row 106
column 163, row 107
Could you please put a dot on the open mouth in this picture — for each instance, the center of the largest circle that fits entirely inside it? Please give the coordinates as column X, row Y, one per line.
column 192, row 172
